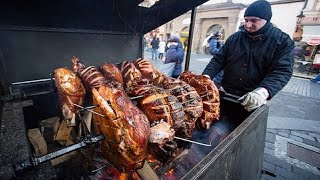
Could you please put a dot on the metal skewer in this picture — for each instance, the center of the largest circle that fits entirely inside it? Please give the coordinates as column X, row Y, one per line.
column 88, row 110
column 136, row 97
column 140, row 96
column 196, row 98
column 202, row 144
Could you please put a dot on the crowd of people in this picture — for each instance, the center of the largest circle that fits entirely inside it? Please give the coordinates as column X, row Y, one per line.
column 170, row 52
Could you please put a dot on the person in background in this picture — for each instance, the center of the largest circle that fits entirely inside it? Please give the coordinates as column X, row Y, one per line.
column 214, row 43
column 172, row 66
column 154, row 48
column 257, row 62
column 214, row 46
column 185, row 44
column 162, row 48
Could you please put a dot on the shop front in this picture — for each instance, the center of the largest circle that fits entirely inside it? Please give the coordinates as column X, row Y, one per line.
column 307, row 51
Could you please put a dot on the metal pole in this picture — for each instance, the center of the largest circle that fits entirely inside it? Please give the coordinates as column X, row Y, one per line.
column 191, row 28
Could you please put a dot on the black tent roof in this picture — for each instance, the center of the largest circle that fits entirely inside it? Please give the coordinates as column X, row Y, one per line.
column 107, row 15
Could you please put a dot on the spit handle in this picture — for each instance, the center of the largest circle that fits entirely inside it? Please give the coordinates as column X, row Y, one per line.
column 23, row 166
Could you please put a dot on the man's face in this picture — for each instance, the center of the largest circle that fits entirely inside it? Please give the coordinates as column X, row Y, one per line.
column 253, row 24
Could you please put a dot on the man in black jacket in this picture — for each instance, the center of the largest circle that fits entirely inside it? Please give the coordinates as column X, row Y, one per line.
column 257, row 60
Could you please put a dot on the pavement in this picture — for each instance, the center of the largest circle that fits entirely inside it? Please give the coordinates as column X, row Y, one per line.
column 292, row 144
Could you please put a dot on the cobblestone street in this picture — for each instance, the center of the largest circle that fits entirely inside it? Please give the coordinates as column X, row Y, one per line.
column 292, row 145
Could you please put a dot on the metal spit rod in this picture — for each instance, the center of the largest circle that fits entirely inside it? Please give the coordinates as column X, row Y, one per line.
column 202, row 144
column 182, row 139
column 34, row 161
column 140, row 96
column 88, row 109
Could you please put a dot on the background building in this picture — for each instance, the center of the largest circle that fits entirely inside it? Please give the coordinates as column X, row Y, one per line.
column 226, row 16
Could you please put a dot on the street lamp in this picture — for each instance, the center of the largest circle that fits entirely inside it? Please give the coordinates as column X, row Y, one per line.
column 300, row 17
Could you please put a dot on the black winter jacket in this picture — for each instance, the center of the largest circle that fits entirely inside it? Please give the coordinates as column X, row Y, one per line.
column 260, row 59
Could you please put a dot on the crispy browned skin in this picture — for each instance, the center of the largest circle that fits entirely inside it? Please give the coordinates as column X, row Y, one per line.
column 112, row 74
column 141, row 70
column 191, row 101
column 90, row 76
column 211, row 100
column 158, row 105
column 130, row 74
column 71, row 91
column 125, row 127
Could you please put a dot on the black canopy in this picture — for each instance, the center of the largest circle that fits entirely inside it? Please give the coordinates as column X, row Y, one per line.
column 107, row 15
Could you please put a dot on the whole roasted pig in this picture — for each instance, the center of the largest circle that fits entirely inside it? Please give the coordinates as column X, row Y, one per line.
column 125, row 127
column 210, row 97
column 71, row 91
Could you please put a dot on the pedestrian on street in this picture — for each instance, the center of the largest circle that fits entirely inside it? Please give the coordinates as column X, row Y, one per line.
column 185, row 44
column 162, row 48
column 257, row 62
column 172, row 66
column 214, row 46
column 154, row 48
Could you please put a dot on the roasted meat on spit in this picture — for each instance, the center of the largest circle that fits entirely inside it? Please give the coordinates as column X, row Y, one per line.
column 90, row 75
column 148, row 71
column 160, row 133
column 210, row 97
column 125, row 127
column 71, row 91
column 131, row 75
column 140, row 70
column 112, row 74
column 158, row 105
column 191, row 101
column 161, row 143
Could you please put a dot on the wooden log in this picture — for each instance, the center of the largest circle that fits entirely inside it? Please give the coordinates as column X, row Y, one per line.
column 49, row 128
column 87, row 117
column 146, row 172
column 37, row 141
column 63, row 135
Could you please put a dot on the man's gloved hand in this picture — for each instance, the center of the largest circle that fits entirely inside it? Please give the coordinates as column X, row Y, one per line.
column 254, row 99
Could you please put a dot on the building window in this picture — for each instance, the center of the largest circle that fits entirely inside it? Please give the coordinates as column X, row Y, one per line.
column 170, row 25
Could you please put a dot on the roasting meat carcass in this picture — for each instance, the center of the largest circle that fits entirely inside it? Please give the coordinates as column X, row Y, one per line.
column 141, row 71
column 112, row 74
column 148, row 71
column 71, row 91
column 131, row 75
column 192, row 104
column 90, row 76
column 161, row 143
column 158, row 105
column 161, row 133
column 125, row 128
column 210, row 97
